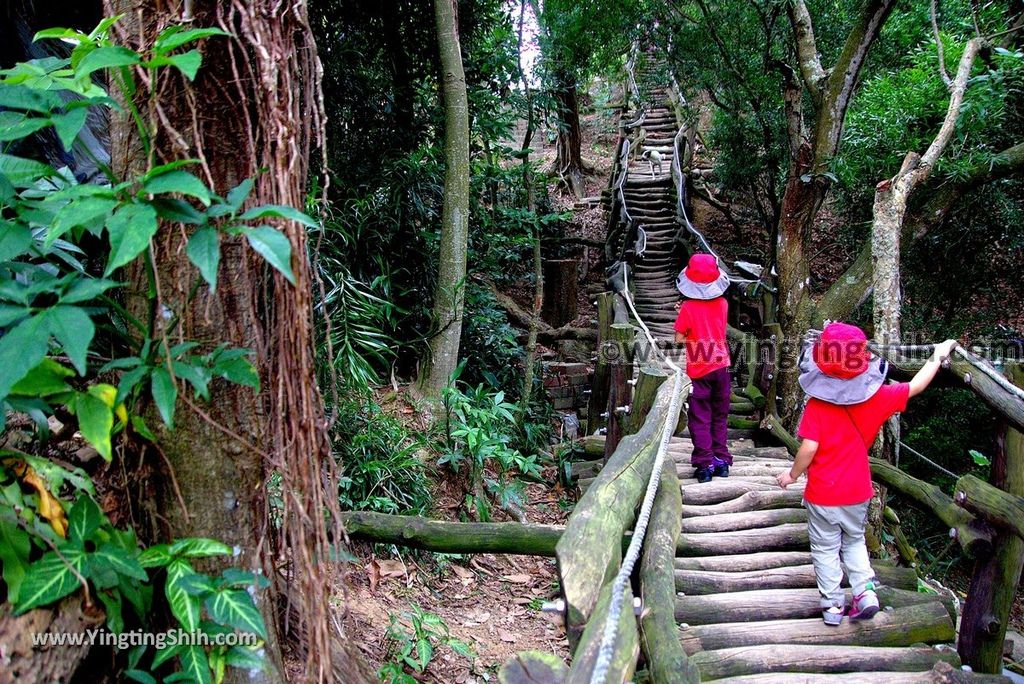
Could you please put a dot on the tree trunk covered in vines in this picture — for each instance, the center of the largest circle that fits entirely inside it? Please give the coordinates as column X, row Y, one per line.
column 449, row 293
column 569, row 159
column 246, row 110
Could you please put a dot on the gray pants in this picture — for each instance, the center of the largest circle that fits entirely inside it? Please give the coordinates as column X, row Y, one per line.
column 838, row 532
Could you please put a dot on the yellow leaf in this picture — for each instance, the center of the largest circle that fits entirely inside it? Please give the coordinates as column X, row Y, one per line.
column 107, row 394
column 49, row 506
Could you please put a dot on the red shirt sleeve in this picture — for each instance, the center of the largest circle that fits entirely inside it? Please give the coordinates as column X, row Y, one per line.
column 682, row 325
column 893, row 399
column 810, row 424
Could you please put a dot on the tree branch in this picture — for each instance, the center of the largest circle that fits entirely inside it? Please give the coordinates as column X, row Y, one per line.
column 939, row 46
column 813, row 73
column 956, row 99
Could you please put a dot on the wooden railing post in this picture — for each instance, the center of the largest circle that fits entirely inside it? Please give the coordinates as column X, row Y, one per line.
column 647, row 384
column 623, row 337
column 996, row 575
column 599, row 388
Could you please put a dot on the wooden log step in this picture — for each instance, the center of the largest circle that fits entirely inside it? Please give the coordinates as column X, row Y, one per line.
column 782, row 604
column 767, row 480
column 718, row 491
column 927, row 677
column 776, row 538
column 791, row 577
column 744, row 521
column 926, row 623
column 762, row 560
column 735, row 662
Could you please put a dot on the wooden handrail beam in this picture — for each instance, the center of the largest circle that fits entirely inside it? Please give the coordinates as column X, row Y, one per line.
column 991, row 503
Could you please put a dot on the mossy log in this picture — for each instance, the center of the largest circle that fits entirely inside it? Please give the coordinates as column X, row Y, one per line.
column 744, row 521
column 776, row 538
column 739, row 423
column 742, row 408
column 452, row 537
column 647, row 384
column 721, row 490
column 755, row 395
column 627, row 642
column 991, row 503
column 749, row 501
column 621, row 339
column 748, row 660
column 792, row 577
column 659, row 636
column 924, row 623
column 533, row 667
column 590, row 550
column 773, row 424
column 974, row 536
column 783, row 604
column 941, row 673
column 743, row 562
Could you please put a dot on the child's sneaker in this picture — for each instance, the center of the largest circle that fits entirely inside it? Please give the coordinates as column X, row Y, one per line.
column 721, row 470
column 833, row 616
column 865, row 605
column 703, row 474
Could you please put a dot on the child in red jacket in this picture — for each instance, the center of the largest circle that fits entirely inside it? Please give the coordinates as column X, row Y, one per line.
column 701, row 325
column 848, row 405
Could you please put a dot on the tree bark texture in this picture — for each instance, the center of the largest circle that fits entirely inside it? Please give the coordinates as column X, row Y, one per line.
column 561, row 291
column 568, row 157
column 449, row 293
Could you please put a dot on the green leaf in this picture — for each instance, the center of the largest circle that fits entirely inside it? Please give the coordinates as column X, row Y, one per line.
column 244, row 657
column 194, row 664
column 9, row 313
column 95, row 421
column 140, row 676
column 203, row 251
column 46, row 379
column 74, row 330
column 197, row 547
column 83, row 289
column 29, row 99
column 106, row 58
column 69, row 125
column 184, row 606
column 15, row 240
column 112, row 603
column 18, row 125
column 165, row 394
column 156, row 556
column 14, row 550
column 197, row 376
column 238, row 194
column 187, row 63
column 85, row 211
column 424, row 653
column 274, row 246
column 21, row 172
column 130, row 230
column 178, row 181
column 84, row 519
column 178, row 210
column 172, row 37
column 239, row 371
column 279, row 211
column 165, row 654
column 122, row 561
column 21, row 349
column 979, row 458
column 139, row 425
column 50, row 579
column 234, row 607
column 197, row 584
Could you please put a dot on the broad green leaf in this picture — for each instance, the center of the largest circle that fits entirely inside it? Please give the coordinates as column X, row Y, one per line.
column 244, row 657
column 239, row 371
column 155, row 556
column 140, row 676
column 14, row 550
column 424, row 653
column 197, row 376
column 29, row 99
column 238, row 194
column 235, row 607
column 139, row 425
column 18, row 125
column 184, row 606
column 197, row 584
column 197, row 547
column 233, row 577
column 74, row 330
column 21, row 349
column 86, row 211
column 174, row 209
column 21, row 172
column 122, row 561
column 187, row 63
column 112, row 603
column 84, row 289
column 178, row 181
column 130, row 230
column 69, row 125
column 58, row 32
column 95, row 421
column 273, row 246
column 9, row 313
column 279, row 211
column 203, row 251
column 165, row 394
column 165, row 654
column 979, row 458
column 169, row 166
column 50, row 579
column 84, row 519
column 171, row 38
column 15, row 240
column 194, row 665
column 106, row 58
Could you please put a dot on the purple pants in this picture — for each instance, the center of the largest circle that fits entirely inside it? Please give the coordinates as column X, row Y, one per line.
column 708, row 417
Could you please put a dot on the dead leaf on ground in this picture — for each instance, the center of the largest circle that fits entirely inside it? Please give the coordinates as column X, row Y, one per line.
column 517, row 579
column 391, row 568
column 373, row 574
column 507, row 636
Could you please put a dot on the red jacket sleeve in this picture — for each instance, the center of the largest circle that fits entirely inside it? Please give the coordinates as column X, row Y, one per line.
column 682, row 325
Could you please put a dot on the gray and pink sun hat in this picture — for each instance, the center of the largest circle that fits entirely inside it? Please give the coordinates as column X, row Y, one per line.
column 702, row 279
column 839, row 367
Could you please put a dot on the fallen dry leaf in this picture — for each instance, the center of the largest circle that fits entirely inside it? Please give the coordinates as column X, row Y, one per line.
column 373, row 574
column 391, row 568
column 507, row 636
column 517, row 579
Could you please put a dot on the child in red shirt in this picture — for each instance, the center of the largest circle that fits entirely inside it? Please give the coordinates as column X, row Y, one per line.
column 847, row 407
column 701, row 325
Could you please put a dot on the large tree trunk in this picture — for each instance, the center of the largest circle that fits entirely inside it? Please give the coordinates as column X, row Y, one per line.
column 246, row 110
column 449, row 293
column 569, row 160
